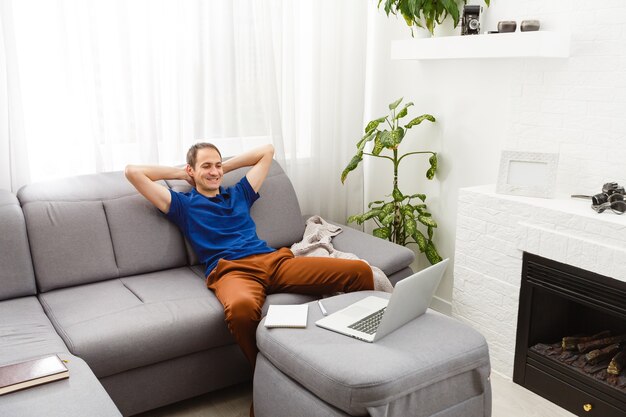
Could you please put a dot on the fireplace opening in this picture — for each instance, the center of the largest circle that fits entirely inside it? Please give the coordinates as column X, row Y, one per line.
column 560, row 301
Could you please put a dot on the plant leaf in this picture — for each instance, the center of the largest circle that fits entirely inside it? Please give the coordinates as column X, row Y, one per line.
column 358, row 218
column 388, row 208
column 367, row 138
column 407, row 210
column 426, row 220
column 404, row 111
column 452, row 9
column 432, row 254
column 430, row 15
column 408, row 19
column 440, row 12
column 381, row 232
column 375, row 202
column 420, row 239
column 420, row 196
column 388, row 5
column 419, row 119
column 421, row 208
column 397, row 195
column 374, row 124
column 410, row 225
column 430, row 233
column 393, row 105
column 371, row 213
column 396, row 136
column 378, row 146
column 430, row 174
column 386, row 139
column 403, row 7
column 419, row 6
column 388, row 219
column 356, row 159
column 361, row 218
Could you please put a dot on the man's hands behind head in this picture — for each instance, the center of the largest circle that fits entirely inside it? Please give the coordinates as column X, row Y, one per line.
column 190, row 180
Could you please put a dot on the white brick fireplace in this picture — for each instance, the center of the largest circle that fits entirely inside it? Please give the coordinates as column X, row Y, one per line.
column 494, row 230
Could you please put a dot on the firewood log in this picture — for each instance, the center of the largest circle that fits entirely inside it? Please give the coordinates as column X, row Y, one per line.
column 571, row 342
column 598, row 355
column 618, row 363
column 600, row 343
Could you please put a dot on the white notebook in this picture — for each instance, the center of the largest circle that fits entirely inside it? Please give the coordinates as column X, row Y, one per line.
column 291, row 315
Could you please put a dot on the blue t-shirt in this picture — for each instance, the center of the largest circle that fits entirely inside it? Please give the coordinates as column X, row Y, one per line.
column 221, row 226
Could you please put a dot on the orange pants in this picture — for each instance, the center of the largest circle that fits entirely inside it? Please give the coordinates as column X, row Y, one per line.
column 241, row 286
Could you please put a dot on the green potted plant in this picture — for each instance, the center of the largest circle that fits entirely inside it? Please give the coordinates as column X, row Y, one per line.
column 425, row 13
column 399, row 219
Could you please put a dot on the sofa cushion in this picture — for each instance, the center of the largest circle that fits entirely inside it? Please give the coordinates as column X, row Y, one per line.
column 382, row 253
column 26, row 331
column 17, row 278
column 144, row 240
column 95, row 227
column 277, row 213
column 70, row 243
column 130, row 322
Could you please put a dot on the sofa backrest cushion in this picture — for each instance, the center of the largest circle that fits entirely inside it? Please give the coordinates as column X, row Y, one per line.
column 276, row 214
column 16, row 268
column 94, row 227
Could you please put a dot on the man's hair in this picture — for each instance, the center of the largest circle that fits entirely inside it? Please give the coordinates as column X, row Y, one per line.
column 192, row 153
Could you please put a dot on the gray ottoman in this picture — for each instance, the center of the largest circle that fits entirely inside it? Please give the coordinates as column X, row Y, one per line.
column 432, row 366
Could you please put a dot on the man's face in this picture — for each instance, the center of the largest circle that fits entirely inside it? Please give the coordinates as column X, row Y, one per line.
column 208, row 172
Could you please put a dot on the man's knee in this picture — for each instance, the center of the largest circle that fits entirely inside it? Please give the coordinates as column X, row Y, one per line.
column 243, row 310
column 363, row 275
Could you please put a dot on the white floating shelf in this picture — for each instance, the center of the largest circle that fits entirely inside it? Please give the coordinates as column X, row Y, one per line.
column 541, row 44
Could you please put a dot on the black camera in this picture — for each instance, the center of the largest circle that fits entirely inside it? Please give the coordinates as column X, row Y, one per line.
column 470, row 23
column 608, row 190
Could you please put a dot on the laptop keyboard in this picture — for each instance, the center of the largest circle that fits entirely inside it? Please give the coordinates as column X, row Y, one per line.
column 369, row 324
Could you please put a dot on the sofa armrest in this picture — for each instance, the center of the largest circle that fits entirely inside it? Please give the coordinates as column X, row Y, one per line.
column 384, row 254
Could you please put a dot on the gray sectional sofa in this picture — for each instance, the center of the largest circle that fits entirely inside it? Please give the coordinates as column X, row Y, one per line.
column 93, row 272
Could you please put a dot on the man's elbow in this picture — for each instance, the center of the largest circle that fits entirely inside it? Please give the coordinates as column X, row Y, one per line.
column 128, row 171
column 131, row 172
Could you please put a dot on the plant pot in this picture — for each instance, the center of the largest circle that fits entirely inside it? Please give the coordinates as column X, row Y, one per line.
column 420, row 33
column 447, row 29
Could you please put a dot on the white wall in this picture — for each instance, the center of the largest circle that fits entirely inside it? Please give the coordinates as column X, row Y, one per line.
column 572, row 106
column 577, row 107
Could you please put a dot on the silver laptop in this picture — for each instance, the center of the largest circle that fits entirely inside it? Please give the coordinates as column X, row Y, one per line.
column 373, row 318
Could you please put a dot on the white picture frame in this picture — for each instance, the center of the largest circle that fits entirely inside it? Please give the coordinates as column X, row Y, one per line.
column 529, row 174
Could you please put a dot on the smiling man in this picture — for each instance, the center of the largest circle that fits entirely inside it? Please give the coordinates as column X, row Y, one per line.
column 239, row 267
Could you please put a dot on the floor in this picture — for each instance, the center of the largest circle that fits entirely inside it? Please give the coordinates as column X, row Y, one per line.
column 512, row 400
column 509, row 400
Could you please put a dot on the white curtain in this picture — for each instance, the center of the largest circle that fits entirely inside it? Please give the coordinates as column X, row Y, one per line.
column 104, row 83
column 14, row 169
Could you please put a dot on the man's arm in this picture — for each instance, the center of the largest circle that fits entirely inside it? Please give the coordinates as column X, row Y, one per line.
column 143, row 178
column 260, row 158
